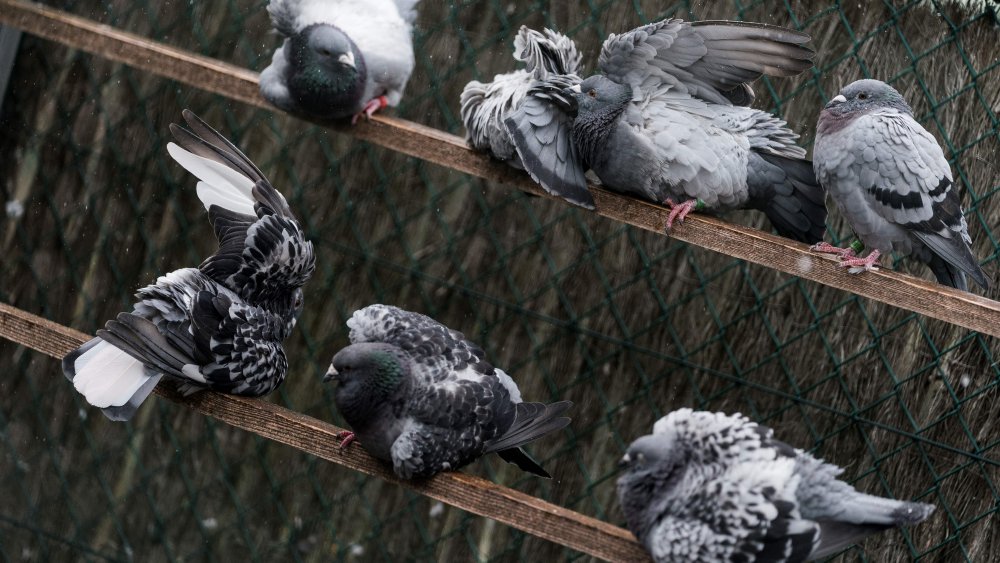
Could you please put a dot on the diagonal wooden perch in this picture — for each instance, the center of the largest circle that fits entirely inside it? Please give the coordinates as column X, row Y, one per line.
column 900, row 290
column 473, row 494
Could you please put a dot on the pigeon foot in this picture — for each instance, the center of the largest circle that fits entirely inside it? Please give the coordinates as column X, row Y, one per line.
column 345, row 437
column 370, row 108
column 869, row 263
column 827, row 248
column 679, row 211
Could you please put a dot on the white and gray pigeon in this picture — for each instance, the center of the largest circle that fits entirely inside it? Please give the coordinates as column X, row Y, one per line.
column 892, row 183
column 419, row 395
column 339, row 58
column 667, row 120
column 551, row 64
column 219, row 326
column 716, row 487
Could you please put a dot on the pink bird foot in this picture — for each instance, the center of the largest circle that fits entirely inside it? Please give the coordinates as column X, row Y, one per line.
column 346, row 437
column 679, row 211
column 869, row 263
column 370, row 108
column 827, row 248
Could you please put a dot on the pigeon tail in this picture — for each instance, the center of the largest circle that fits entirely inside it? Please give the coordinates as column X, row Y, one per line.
column 523, row 461
column 787, row 191
column 952, row 261
column 109, row 378
column 868, row 514
column 531, row 421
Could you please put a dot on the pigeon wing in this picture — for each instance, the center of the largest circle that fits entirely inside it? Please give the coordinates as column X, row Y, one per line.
column 712, row 60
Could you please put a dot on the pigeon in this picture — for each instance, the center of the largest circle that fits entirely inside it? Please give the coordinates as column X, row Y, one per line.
column 667, row 120
column 716, row 487
column 219, row 326
column 339, row 58
column 419, row 395
column 550, row 58
column 892, row 183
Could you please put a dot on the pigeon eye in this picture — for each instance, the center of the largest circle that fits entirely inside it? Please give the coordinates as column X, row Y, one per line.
column 325, row 52
column 592, row 93
column 862, row 96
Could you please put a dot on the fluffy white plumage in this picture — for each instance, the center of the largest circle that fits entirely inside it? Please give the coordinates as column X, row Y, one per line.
column 219, row 185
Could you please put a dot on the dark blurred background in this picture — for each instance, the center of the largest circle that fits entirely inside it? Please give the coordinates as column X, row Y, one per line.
column 627, row 324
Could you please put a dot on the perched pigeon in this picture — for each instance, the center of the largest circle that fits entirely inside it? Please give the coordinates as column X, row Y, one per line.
column 892, row 183
column 716, row 487
column 550, row 58
column 340, row 58
column 665, row 120
column 420, row 395
column 217, row 327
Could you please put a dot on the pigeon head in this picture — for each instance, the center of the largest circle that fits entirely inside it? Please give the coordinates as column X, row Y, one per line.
column 651, row 468
column 857, row 99
column 600, row 102
column 367, row 374
column 326, row 71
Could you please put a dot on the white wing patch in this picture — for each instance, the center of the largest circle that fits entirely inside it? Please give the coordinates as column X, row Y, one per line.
column 220, row 185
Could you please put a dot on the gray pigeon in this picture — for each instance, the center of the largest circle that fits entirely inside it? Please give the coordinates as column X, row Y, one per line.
column 892, row 183
column 716, row 487
column 217, row 327
column 340, row 58
column 665, row 120
column 421, row 396
column 547, row 56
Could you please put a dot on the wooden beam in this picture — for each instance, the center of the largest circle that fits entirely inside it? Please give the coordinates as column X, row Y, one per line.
column 470, row 493
column 900, row 290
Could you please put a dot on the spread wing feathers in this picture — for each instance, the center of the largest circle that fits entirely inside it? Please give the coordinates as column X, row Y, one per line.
column 712, row 60
column 237, row 179
column 284, row 14
column 428, row 342
column 546, row 53
column 542, row 130
column 907, row 181
column 263, row 260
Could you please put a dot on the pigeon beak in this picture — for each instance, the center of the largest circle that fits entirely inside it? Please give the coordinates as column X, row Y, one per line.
column 624, row 461
column 331, row 374
column 838, row 99
column 347, row 59
column 575, row 89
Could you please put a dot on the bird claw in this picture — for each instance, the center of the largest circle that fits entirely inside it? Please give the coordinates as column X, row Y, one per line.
column 679, row 211
column 827, row 248
column 869, row 263
column 370, row 108
column 345, row 437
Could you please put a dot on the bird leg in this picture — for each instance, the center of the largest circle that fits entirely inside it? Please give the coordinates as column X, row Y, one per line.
column 370, row 108
column 827, row 248
column 869, row 263
column 346, row 437
column 678, row 211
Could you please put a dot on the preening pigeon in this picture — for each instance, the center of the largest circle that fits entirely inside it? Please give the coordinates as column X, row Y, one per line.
column 716, row 487
column 893, row 184
column 421, row 396
column 552, row 64
column 217, row 327
column 340, row 58
column 666, row 120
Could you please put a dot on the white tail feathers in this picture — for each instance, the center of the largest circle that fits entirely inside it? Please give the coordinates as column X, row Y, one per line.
column 220, row 185
column 107, row 376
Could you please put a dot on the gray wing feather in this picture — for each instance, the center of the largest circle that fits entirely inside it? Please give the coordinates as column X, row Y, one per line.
column 711, row 60
column 542, row 133
column 546, row 53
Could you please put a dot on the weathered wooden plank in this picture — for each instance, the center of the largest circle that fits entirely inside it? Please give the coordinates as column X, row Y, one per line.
column 470, row 493
column 900, row 290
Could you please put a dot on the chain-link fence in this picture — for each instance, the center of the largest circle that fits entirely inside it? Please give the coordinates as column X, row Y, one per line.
column 627, row 324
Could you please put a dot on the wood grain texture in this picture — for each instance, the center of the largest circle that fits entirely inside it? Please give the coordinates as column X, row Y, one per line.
column 900, row 290
column 468, row 492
